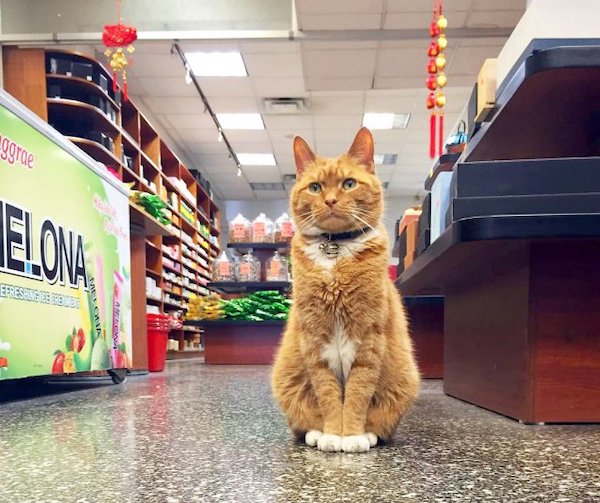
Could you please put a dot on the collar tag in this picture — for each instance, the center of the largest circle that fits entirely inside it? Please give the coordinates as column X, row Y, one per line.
column 330, row 248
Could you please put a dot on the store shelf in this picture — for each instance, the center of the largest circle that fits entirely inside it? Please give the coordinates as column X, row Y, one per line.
column 153, row 299
column 96, row 151
column 180, row 355
column 152, row 245
column 152, row 273
column 84, row 84
column 259, row 246
column 234, row 323
column 142, row 222
column 168, row 304
column 73, row 110
column 248, row 286
column 171, row 269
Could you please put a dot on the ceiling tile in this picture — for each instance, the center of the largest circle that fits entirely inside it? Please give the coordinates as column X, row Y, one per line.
column 269, row 47
column 496, row 19
column 288, row 123
column 191, row 121
column 339, row 63
column 395, row 104
column 338, row 6
column 261, row 174
column 218, row 87
column 214, row 147
column 247, row 136
column 364, row 21
column 420, row 6
column 316, row 83
column 161, row 86
column 157, row 65
column 273, row 65
column 240, row 145
column 277, row 87
column 337, row 105
column 175, row 105
column 270, row 194
column 337, row 122
column 399, row 82
column 283, row 139
column 234, row 105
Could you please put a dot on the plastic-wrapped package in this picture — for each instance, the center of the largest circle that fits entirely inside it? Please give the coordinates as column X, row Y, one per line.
column 223, row 268
column 239, row 229
column 284, row 229
column 248, row 268
column 277, row 268
column 263, row 229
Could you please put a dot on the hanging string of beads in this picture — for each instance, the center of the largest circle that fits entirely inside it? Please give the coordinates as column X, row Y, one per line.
column 437, row 80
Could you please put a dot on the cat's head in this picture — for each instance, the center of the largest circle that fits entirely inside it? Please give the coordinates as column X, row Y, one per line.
column 336, row 195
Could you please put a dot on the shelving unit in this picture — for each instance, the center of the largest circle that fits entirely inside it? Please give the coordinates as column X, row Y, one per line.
column 118, row 135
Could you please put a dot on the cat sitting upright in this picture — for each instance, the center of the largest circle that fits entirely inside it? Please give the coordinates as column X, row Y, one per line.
column 345, row 373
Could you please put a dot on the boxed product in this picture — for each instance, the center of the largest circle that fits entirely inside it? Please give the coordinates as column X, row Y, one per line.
column 526, row 177
column 486, row 89
column 263, row 229
column 240, row 229
column 411, row 243
column 440, row 201
column 82, row 70
column 60, row 66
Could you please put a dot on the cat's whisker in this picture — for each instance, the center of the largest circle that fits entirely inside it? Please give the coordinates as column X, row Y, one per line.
column 363, row 221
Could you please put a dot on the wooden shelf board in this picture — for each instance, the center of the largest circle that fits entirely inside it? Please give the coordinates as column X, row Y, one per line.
column 74, row 106
column 150, row 226
column 95, row 150
column 88, row 83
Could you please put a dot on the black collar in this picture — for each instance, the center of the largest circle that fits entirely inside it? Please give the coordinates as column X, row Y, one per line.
column 341, row 236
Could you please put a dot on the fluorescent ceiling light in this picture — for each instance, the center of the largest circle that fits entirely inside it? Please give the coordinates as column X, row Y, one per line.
column 385, row 158
column 386, row 120
column 216, row 64
column 256, row 159
column 241, row 121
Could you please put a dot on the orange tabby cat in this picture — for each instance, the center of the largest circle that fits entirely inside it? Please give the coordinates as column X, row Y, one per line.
column 345, row 373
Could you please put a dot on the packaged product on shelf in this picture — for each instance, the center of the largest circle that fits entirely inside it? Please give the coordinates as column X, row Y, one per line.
column 260, row 306
column 263, row 229
column 223, row 268
column 239, row 229
column 277, row 268
column 249, row 268
column 204, row 308
column 284, row 229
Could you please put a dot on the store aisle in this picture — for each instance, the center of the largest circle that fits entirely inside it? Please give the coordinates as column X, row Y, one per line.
column 209, row 434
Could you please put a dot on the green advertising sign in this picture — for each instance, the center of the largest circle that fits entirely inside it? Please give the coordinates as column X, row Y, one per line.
column 65, row 299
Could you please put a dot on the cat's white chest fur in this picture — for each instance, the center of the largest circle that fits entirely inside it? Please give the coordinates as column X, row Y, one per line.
column 339, row 353
column 347, row 248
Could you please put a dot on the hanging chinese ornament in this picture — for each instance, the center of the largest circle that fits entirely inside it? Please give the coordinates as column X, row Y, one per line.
column 436, row 81
column 118, row 39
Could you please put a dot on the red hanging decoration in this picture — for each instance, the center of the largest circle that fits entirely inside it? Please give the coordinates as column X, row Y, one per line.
column 432, row 135
column 118, row 39
column 437, row 79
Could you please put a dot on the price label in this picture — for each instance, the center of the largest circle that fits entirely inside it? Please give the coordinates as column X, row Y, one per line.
column 275, row 268
column 259, row 231
column 239, row 231
column 287, row 230
column 244, row 269
column 224, row 268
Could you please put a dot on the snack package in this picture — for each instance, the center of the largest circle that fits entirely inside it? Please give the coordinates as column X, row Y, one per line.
column 284, row 229
column 263, row 229
column 239, row 229
column 277, row 268
column 223, row 269
column 248, row 268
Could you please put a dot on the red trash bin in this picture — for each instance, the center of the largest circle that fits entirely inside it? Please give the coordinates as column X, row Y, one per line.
column 158, row 326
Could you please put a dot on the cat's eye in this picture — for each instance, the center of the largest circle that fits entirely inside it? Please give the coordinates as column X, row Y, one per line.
column 314, row 187
column 349, row 183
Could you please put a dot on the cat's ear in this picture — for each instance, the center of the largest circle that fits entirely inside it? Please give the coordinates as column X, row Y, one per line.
column 303, row 155
column 363, row 149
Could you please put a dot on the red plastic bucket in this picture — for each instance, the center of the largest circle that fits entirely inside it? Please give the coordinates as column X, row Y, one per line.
column 158, row 326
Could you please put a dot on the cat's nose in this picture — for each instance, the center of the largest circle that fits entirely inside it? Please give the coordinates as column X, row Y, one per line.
column 330, row 202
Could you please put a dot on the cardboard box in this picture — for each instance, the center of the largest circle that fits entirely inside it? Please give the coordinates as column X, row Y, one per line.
column 486, row 89
column 440, row 200
column 410, row 215
column 411, row 242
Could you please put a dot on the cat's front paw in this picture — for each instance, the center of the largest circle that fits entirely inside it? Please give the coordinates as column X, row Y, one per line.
column 356, row 443
column 329, row 443
column 372, row 438
column 312, row 437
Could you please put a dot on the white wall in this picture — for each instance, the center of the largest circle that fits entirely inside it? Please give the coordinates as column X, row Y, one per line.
column 549, row 19
column 273, row 208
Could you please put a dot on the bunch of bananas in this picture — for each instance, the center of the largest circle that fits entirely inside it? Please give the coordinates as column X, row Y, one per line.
column 204, row 308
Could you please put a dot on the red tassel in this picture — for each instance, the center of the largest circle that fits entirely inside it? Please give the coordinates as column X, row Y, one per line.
column 432, row 135
column 125, row 93
column 441, row 134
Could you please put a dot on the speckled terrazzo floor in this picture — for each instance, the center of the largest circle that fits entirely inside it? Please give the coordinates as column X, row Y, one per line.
column 212, row 434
